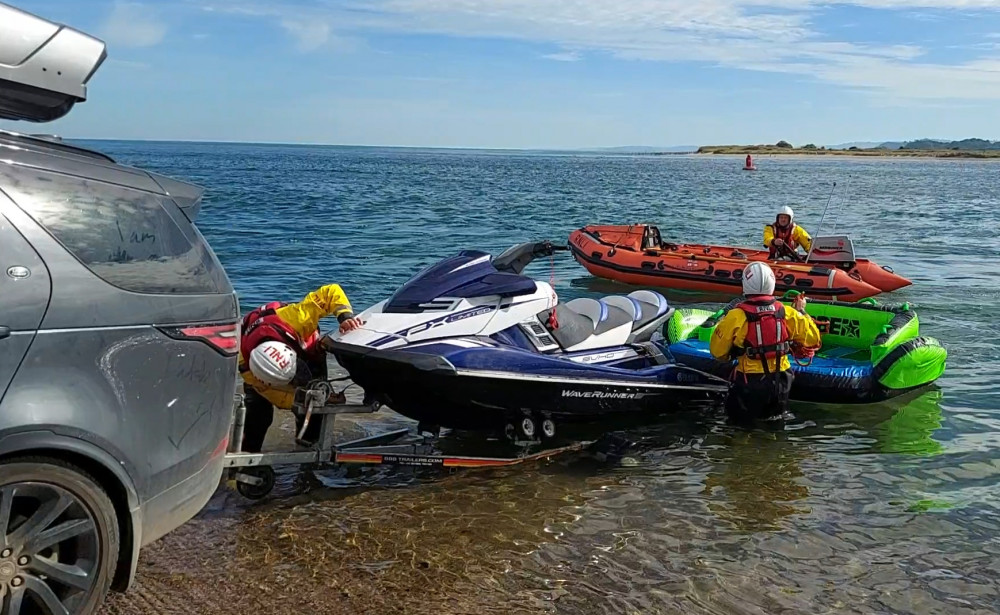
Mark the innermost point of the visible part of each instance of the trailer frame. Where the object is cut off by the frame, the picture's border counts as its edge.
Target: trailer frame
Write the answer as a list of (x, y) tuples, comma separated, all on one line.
[(254, 472)]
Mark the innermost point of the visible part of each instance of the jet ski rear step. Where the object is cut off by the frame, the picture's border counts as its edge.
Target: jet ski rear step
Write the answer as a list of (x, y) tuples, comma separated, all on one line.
[(254, 474)]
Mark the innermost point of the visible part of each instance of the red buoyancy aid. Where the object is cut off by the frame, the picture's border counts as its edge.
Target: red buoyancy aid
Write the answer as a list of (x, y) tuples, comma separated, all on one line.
[(263, 324), (785, 235), (767, 332)]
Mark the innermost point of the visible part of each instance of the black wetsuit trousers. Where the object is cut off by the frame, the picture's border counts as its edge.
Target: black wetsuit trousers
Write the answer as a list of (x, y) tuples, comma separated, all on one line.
[(759, 396)]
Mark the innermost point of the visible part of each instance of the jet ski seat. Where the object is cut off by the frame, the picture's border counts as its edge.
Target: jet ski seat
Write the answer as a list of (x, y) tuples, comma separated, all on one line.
[(648, 309), (593, 309), (589, 323), (628, 304), (573, 327), (612, 324)]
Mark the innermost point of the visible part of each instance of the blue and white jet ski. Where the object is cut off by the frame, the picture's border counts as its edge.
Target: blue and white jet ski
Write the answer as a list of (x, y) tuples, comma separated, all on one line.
[(471, 343)]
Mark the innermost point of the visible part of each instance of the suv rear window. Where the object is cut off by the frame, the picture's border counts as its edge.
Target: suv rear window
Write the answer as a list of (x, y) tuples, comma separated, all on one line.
[(136, 240)]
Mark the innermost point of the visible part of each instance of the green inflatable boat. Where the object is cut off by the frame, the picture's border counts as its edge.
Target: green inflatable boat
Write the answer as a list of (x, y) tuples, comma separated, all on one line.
[(870, 352)]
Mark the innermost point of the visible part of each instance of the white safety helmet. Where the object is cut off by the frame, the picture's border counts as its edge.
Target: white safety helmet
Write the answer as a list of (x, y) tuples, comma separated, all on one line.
[(787, 211), (758, 279), (273, 363)]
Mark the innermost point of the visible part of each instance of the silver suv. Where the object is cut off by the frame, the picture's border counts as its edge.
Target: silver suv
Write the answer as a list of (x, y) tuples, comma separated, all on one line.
[(118, 342)]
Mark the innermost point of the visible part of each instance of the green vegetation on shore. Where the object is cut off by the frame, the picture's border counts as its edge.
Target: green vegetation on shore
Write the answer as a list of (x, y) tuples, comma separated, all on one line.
[(924, 148)]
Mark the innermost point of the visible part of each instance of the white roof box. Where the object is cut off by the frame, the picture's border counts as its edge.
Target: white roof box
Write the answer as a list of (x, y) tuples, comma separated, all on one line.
[(44, 67)]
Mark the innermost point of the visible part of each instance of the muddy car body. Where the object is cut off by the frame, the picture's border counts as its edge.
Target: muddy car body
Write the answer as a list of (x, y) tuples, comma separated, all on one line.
[(118, 341)]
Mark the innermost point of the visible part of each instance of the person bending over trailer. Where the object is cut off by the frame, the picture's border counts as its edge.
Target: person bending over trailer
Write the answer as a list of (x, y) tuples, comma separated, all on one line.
[(760, 331), (783, 237), (279, 351)]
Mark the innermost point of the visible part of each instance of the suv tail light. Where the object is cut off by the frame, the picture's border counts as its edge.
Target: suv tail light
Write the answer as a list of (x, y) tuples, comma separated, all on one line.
[(223, 338)]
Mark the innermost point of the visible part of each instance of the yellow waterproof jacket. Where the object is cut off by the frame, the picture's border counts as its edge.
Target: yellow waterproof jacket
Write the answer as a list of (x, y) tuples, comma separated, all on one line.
[(799, 237), (731, 333), (303, 317)]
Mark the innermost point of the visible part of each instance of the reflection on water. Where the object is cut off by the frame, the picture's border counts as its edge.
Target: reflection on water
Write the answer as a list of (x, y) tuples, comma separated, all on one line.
[(757, 476), (759, 472), (904, 425)]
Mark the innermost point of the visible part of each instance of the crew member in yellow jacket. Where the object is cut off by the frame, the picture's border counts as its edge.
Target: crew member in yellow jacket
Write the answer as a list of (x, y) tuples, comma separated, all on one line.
[(783, 237), (761, 332), (279, 351)]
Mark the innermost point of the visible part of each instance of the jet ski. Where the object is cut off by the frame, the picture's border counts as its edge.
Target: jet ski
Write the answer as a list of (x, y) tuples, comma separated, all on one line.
[(470, 343)]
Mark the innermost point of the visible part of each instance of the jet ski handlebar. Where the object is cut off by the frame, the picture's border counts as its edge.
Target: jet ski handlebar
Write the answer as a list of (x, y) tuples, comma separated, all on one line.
[(547, 248), (517, 257)]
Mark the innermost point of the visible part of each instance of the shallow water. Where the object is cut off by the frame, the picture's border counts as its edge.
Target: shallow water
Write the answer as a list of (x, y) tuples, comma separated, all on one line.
[(887, 508)]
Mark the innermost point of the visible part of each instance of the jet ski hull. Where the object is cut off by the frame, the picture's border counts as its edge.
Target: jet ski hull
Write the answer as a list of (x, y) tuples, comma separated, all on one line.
[(484, 387)]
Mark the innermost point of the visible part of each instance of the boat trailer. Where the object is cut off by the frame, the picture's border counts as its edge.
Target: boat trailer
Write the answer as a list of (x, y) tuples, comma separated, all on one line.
[(254, 473)]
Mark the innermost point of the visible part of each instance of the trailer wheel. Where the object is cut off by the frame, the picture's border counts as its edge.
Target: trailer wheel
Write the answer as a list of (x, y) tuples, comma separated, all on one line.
[(253, 491), (548, 429), (527, 428)]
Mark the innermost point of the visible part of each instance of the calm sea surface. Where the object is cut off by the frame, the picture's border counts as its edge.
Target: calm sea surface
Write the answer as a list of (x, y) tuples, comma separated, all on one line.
[(886, 508)]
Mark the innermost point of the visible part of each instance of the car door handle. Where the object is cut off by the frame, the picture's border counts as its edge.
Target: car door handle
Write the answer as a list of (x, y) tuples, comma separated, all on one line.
[(4, 332)]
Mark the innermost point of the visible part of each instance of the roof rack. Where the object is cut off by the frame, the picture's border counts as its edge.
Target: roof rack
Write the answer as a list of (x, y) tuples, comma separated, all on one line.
[(49, 143), (44, 66)]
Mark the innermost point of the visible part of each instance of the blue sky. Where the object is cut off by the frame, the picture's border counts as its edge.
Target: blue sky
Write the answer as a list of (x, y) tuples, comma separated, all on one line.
[(537, 73)]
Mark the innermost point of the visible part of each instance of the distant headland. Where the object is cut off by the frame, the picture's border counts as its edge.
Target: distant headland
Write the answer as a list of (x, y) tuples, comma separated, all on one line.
[(921, 148)]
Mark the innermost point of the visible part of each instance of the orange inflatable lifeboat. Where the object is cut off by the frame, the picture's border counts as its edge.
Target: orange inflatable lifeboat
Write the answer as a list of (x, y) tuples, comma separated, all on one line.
[(635, 254)]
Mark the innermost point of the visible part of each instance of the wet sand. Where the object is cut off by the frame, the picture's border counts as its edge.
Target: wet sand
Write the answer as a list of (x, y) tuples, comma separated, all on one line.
[(385, 547), (267, 561), (371, 544)]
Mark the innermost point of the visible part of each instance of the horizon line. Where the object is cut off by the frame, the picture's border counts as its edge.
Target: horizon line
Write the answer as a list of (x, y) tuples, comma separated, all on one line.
[(501, 148), (326, 144), (593, 148)]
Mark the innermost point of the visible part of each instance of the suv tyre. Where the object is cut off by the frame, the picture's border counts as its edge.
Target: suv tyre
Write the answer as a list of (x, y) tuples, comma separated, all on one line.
[(59, 538)]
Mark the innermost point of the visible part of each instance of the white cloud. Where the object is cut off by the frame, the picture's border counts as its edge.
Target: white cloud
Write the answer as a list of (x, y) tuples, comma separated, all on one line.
[(563, 56), (977, 80), (784, 36), (913, 4), (309, 34), (133, 25), (761, 35), (311, 27)]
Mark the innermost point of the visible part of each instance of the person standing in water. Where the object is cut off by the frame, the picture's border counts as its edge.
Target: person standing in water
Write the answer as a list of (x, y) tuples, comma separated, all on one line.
[(749, 162), (760, 331)]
